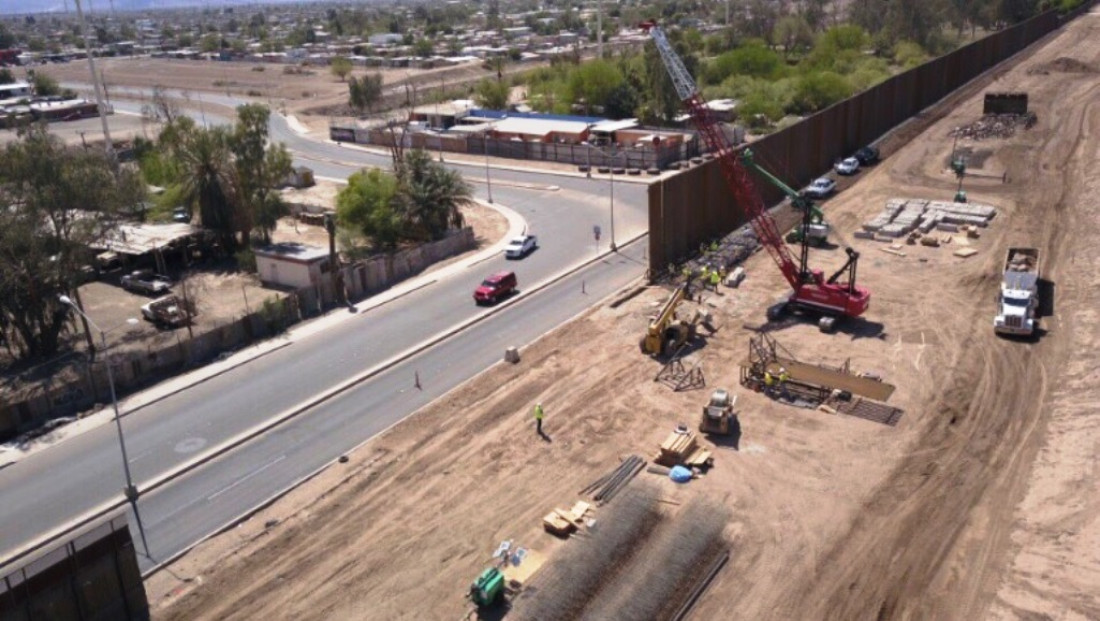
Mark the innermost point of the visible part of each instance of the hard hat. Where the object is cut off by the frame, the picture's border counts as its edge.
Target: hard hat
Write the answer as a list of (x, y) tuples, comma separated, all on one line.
[(782, 369)]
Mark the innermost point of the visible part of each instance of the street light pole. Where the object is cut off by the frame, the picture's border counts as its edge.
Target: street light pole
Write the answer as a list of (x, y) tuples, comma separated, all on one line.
[(130, 490), (488, 182), (95, 81), (612, 169)]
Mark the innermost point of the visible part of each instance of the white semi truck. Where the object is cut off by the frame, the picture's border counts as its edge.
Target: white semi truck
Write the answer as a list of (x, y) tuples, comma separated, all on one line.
[(1019, 298)]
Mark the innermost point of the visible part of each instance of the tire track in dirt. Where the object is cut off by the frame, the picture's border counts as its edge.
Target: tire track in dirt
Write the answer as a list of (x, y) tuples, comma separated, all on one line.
[(924, 526)]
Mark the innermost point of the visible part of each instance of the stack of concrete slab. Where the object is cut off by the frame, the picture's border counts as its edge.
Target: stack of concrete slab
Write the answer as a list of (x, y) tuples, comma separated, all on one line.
[(902, 216)]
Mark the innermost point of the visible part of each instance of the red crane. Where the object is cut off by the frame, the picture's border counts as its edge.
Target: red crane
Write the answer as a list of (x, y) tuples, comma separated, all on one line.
[(812, 291)]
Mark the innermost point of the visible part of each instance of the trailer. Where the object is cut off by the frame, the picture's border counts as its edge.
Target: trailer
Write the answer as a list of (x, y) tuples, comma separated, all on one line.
[(1018, 301)]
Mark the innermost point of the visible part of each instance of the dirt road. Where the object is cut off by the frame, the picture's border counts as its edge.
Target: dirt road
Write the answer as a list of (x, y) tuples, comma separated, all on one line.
[(981, 503)]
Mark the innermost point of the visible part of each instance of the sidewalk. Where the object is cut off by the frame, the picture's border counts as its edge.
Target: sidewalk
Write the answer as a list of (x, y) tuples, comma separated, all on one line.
[(10, 454)]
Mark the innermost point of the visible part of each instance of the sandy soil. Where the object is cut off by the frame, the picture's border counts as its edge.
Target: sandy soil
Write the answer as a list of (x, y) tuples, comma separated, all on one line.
[(981, 503), (316, 88)]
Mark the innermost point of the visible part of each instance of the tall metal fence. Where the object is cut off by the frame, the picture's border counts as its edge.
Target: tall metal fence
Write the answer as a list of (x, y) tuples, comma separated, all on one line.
[(91, 575), (693, 207)]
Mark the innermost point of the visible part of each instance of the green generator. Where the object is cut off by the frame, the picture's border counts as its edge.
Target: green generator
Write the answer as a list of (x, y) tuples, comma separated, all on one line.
[(488, 587)]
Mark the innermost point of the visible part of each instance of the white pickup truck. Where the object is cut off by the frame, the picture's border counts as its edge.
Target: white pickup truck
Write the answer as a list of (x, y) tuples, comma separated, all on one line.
[(1019, 298)]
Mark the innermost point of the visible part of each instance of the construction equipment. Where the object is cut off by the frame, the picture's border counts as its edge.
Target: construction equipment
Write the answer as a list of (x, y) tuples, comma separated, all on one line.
[(488, 588), (1019, 296), (813, 228), (718, 415), (667, 332), (812, 291)]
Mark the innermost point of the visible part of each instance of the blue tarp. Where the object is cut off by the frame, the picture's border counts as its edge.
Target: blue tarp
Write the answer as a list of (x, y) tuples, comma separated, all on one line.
[(679, 474)]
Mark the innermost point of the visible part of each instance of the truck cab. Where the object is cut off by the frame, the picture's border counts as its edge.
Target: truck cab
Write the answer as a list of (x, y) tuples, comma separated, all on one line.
[(1018, 301)]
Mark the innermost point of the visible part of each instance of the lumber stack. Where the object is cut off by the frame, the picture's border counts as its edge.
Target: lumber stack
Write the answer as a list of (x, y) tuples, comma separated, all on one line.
[(681, 448)]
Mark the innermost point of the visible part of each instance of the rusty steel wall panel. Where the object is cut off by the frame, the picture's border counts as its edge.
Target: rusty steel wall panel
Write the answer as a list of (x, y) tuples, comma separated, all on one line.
[(694, 206)]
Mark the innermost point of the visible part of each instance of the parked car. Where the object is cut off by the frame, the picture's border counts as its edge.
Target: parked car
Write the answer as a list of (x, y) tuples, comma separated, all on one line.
[(181, 214), (145, 281), (495, 288), (164, 312), (821, 187), (521, 246), (867, 155), (847, 166)]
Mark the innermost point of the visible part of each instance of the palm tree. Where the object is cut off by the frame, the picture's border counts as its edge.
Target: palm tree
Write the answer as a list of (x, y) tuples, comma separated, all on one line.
[(208, 180), (433, 196)]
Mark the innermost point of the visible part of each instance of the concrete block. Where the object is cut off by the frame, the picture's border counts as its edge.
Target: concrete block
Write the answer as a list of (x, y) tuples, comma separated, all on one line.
[(511, 355), (864, 235), (947, 226), (734, 278)]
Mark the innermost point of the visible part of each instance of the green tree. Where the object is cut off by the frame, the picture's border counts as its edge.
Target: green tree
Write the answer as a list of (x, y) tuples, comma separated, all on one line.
[(491, 94), (794, 34), (211, 42), (592, 83), (6, 76), (7, 39), (367, 206), (259, 168), (44, 85), (819, 90), (59, 200), (341, 67), (207, 178), (423, 48), (365, 92), (434, 196), (751, 59), (622, 102)]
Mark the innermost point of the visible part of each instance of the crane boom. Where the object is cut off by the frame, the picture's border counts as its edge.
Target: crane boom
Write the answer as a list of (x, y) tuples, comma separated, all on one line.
[(737, 178), (811, 291)]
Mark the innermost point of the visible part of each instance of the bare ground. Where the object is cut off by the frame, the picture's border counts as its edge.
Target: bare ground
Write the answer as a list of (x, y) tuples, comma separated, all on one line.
[(981, 503)]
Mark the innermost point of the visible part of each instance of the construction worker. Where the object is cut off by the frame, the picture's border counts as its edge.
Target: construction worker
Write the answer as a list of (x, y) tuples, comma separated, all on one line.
[(769, 383), (538, 418), (715, 278), (784, 377), (714, 246)]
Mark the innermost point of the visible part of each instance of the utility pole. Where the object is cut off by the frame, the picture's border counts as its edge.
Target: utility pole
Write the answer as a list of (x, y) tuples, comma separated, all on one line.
[(95, 82), (599, 29)]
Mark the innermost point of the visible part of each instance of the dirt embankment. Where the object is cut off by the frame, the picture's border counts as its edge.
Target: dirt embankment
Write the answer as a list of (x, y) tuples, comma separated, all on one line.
[(981, 502)]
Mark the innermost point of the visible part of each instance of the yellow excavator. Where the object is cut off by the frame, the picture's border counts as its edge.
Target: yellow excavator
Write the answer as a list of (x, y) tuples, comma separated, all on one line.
[(667, 332)]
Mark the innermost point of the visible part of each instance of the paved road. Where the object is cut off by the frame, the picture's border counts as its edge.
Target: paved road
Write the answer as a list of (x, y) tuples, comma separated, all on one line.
[(47, 489)]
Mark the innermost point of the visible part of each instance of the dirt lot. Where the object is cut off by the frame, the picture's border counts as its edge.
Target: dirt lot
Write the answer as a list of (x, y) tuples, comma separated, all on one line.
[(294, 93), (981, 503)]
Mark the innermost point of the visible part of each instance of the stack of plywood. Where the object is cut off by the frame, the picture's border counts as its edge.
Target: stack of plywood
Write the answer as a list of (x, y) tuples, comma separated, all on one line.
[(562, 523), (681, 449)]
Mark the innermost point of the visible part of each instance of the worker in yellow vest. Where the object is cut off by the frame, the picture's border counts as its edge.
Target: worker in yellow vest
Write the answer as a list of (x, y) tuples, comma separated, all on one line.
[(715, 278), (784, 377), (769, 383), (538, 418)]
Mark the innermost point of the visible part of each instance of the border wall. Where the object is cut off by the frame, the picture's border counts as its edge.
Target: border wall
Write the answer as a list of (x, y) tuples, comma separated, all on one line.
[(91, 575), (693, 207)]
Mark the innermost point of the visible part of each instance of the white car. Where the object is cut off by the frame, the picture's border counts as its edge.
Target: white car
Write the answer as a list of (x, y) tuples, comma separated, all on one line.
[(847, 166), (521, 246), (821, 188)]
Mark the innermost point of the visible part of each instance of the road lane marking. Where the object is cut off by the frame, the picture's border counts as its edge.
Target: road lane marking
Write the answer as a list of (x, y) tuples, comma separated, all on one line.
[(246, 477)]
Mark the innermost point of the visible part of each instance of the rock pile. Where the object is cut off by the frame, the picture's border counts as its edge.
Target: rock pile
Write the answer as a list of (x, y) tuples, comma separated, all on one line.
[(995, 126)]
